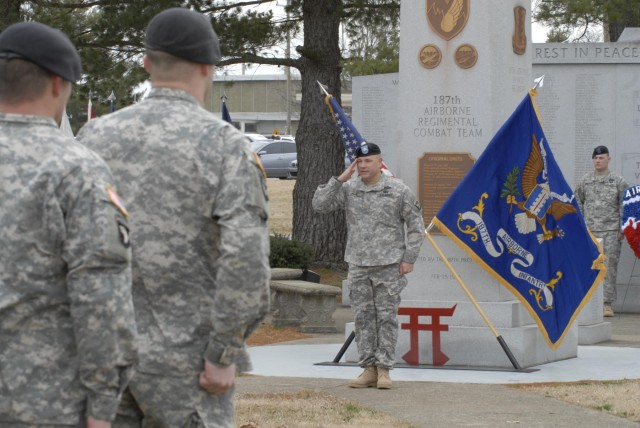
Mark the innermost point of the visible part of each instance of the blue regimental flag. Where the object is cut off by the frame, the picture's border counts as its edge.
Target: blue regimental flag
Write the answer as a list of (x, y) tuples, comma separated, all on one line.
[(515, 214), (225, 112)]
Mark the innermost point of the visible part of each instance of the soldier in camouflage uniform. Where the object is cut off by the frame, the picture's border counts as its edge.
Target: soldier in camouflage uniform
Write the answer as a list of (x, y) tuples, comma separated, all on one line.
[(198, 202), (379, 253), (599, 195), (67, 327)]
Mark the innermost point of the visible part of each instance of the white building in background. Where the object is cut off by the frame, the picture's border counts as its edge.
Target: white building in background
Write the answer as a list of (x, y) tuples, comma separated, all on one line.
[(258, 102)]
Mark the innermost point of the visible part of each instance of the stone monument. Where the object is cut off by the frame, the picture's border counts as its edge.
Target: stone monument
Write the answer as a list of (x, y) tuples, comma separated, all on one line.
[(464, 67)]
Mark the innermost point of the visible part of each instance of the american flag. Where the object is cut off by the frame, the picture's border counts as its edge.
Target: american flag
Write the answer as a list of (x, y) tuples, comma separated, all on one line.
[(226, 116), (351, 138)]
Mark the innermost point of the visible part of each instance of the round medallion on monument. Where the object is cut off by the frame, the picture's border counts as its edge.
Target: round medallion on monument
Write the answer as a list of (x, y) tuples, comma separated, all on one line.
[(466, 56), (430, 56)]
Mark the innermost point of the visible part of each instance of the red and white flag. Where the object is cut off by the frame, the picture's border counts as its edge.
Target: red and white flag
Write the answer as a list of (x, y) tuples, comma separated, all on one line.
[(631, 218)]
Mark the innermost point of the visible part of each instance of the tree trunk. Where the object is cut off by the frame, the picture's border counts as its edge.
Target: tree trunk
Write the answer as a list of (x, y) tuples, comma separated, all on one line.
[(627, 15), (320, 151), (616, 29)]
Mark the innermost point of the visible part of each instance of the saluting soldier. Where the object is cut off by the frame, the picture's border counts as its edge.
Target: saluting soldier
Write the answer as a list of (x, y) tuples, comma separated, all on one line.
[(197, 198), (599, 195), (67, 327), (379, 253)]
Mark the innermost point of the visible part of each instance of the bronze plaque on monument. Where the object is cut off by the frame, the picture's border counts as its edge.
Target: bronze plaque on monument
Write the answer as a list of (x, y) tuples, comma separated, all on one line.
[(438, 176)]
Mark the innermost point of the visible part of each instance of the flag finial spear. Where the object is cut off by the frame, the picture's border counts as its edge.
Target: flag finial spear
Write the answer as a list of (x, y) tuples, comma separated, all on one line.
[(323, 89), (538, 82)]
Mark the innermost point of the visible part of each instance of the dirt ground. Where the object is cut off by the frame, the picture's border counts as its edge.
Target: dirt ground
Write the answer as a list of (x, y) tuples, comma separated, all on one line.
[(309, 408), (280, 205)]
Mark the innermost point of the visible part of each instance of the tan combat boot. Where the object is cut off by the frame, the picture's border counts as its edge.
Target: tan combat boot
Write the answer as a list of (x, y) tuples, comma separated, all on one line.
[(608, 310), (369, 377), (384, 381)]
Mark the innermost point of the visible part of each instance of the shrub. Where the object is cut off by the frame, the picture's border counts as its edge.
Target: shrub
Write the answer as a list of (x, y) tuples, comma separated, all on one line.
[(287, 253)]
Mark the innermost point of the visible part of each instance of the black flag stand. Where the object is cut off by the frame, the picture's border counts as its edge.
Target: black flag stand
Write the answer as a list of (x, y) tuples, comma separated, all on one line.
[(345, 346)]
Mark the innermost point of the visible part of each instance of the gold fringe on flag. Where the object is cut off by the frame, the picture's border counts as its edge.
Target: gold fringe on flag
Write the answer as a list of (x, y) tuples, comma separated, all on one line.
[(599, 263)]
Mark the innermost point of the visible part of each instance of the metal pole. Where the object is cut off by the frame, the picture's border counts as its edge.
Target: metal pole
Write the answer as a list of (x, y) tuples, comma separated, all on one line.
[(344, 347), (288, 74)]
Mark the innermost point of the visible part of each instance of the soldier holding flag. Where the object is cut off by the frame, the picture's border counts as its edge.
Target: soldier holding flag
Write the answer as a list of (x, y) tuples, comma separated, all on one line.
[(379, 252)]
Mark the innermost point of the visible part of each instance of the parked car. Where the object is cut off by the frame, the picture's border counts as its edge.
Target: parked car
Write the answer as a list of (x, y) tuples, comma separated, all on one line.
[(279, 137), (293, 167), (287, 137), (276, 157), (253, 137)]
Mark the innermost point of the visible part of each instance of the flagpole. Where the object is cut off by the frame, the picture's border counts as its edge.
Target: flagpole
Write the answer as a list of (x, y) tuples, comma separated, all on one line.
[(323, 89), (506, 349)]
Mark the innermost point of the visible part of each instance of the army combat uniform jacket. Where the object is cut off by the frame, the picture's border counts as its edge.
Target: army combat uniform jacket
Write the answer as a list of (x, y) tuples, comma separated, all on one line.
[(376, 219), (200, 243), (600, 200), (67, 328)]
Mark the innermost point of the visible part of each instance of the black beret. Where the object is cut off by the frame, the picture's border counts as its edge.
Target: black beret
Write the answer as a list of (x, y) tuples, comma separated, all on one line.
[(600, 150), (40, 44), (367, 149), (185, 34)]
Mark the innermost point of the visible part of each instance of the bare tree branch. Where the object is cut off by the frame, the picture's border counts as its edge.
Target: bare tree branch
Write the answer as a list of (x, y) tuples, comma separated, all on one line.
[(226, 7), (257, 59), (83, 5)]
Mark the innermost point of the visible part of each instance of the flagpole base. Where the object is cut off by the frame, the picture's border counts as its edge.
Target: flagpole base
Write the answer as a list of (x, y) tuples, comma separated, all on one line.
[(509, 354)]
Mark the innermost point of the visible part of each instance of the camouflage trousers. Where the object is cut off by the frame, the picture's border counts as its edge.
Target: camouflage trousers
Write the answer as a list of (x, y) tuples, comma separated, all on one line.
[(79, 417), (375, 297), (155, 401), (611, 246), (81, 424)]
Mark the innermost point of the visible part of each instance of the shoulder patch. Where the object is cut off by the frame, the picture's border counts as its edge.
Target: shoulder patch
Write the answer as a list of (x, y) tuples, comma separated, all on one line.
[(115, 200), (123, 232)]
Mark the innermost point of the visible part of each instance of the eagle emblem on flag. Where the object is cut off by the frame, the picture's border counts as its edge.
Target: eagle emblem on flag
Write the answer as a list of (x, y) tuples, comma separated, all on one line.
[(540, 200)]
